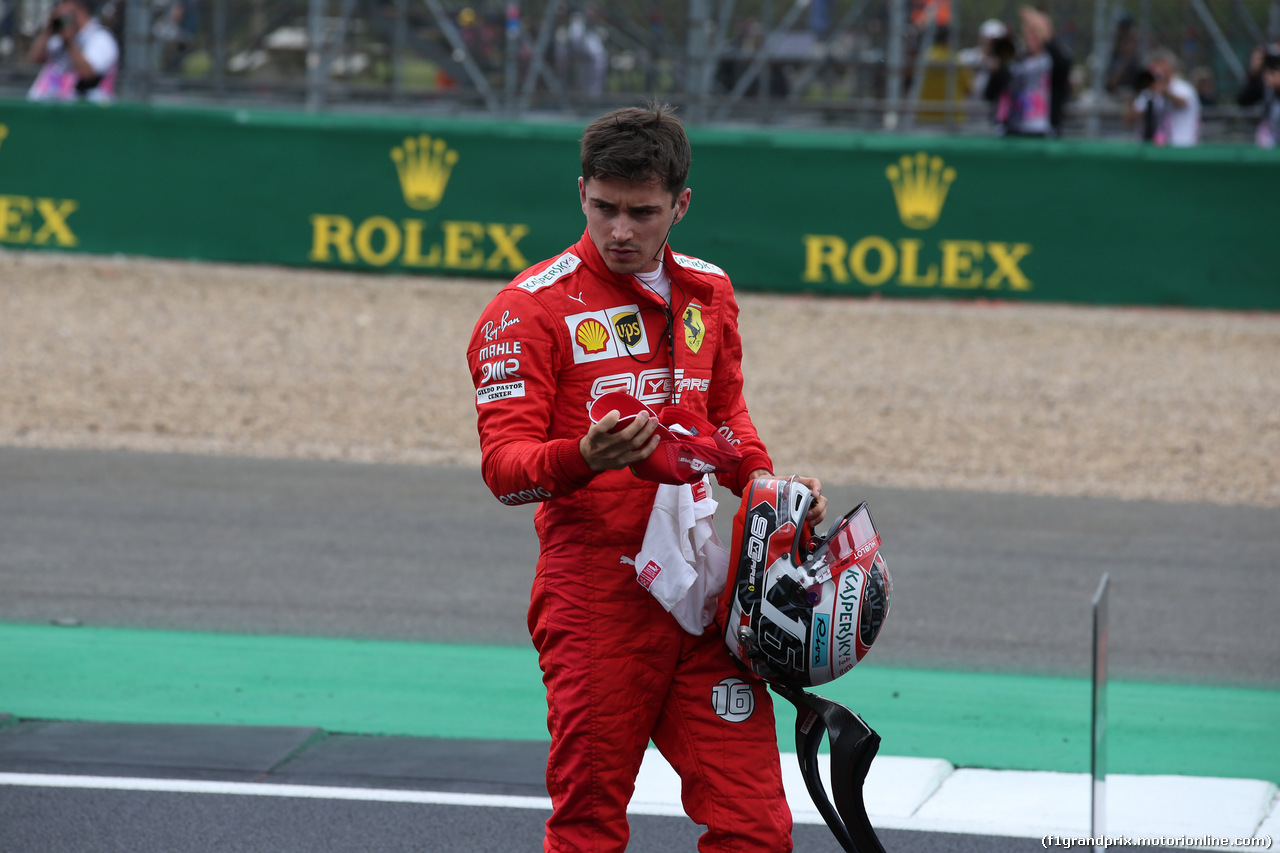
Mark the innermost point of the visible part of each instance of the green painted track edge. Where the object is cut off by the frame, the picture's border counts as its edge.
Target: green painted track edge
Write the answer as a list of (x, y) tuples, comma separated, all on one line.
[(379, 687)]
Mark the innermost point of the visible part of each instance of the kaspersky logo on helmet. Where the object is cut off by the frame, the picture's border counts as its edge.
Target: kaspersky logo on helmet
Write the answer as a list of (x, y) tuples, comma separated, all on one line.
[(848, 608), (919, 185)]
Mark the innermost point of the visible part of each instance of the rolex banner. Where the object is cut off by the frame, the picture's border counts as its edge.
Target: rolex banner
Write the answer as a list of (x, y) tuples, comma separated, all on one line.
[(284, 188), (822, 211)]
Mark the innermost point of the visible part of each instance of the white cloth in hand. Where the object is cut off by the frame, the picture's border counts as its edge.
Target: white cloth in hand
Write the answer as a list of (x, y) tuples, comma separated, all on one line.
[(682, 561)]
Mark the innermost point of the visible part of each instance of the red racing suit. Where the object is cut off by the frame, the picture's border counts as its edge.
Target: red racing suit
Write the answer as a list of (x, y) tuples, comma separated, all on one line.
[(618, 669)]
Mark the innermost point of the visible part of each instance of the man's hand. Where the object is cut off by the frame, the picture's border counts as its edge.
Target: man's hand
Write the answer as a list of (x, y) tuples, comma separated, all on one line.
[(605, 450), (817, 509), (39, 50)]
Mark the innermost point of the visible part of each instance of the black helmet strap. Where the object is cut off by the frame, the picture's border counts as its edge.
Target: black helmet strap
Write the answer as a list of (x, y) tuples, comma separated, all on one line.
[(853, 746)]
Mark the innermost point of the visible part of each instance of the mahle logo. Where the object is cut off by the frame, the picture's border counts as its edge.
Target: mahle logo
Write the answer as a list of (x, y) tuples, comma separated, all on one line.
[(920, 187), (920, 184), (424, 166)]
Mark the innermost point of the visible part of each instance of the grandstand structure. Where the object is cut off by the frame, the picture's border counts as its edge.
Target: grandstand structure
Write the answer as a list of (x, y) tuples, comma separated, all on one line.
[(905, 65)]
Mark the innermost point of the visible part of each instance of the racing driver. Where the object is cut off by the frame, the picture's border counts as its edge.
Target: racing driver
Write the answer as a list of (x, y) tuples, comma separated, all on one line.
[(620, 311)]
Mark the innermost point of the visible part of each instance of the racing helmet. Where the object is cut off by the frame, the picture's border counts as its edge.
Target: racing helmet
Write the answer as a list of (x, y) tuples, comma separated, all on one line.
[(802, 609)]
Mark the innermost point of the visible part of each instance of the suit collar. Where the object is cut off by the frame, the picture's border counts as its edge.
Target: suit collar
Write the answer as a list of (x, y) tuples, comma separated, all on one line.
[(682, 279)]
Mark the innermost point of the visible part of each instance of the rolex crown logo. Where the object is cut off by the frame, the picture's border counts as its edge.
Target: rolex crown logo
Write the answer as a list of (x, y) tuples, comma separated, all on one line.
[(424, 165), (920, 187)]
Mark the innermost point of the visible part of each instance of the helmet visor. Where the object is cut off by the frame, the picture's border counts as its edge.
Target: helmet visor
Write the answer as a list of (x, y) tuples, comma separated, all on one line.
[(854, 544), (852, 539)]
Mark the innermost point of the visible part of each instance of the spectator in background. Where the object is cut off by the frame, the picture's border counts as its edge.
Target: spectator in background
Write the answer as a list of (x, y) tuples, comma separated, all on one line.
[(8, 21), (175, 30), (1254, 90), (78, 53), (981, 60), (1030, 93), (1125, 66), (581, 50), (749, 40), (997, 90), (1167, 106), (938, 84), (1206, 87), (1268, 132), (925, 11)]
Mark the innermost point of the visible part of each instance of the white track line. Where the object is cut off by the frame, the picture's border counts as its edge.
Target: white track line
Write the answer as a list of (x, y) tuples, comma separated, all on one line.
[(267, 789), (902, 793)]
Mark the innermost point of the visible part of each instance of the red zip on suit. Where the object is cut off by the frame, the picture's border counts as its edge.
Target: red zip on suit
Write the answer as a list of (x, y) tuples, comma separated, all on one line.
[(618, 668)]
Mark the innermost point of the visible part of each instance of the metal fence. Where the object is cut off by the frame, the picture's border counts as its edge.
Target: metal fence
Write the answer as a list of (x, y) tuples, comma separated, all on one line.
[(868, 64)]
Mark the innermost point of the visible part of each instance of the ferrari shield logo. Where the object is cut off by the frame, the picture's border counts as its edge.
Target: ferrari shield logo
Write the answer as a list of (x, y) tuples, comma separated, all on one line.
[(694, 329)]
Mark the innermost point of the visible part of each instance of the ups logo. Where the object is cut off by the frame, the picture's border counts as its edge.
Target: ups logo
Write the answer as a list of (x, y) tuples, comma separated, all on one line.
[(627, 325)]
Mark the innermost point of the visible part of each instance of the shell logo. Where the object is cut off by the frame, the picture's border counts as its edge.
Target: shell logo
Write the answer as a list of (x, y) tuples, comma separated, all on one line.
[(592, 336)]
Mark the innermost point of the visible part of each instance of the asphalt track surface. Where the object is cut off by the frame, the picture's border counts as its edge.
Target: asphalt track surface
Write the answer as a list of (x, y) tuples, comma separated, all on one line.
[(193, 823), (1000, 583), (981, 581)]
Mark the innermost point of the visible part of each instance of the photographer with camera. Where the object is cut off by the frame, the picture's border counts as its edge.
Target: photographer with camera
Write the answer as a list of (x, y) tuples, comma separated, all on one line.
[(1167, 105), (1254, 89), (78, 53), (1028, 93)]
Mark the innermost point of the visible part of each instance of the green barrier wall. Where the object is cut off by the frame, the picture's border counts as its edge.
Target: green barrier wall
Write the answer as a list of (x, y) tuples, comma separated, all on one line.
[(781, 211)]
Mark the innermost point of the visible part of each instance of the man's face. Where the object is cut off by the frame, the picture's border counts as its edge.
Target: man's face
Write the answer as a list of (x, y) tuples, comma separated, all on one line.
[(68, 9), (629, 221), (1031, 39)]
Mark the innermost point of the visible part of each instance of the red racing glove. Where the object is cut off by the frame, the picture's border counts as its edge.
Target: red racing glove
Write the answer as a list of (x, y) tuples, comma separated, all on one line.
[(688, 445)]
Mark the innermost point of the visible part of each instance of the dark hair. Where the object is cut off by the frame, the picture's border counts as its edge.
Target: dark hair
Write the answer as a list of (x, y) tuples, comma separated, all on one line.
[(638, 144)]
